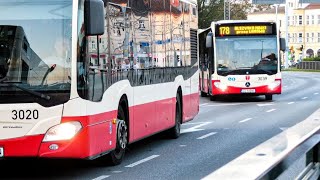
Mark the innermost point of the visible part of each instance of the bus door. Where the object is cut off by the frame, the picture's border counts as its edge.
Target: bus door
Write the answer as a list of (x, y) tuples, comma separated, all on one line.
[(204, 62), (210, 52)]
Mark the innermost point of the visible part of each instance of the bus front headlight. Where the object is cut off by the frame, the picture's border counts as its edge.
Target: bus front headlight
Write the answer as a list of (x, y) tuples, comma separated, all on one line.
[(221, 86), (274, 84), (64, 131)]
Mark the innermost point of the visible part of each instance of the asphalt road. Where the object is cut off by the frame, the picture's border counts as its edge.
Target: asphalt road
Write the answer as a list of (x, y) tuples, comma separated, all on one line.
[(222, 131)]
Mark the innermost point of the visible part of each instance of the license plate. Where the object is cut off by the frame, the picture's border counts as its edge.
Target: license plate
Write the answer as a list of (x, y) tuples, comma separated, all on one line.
[(1, 152), (248, 91)]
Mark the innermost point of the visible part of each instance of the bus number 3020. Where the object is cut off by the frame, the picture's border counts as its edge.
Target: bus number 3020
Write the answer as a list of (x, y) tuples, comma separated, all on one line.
[(25, 114)]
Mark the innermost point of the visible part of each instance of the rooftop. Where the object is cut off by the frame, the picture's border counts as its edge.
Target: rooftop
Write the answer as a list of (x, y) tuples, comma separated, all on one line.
[(313, 6)]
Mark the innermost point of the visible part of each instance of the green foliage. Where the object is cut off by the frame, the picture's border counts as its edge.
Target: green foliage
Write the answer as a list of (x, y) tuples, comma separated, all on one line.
[(312, 59), (214, 10), (209, 12), (239, 10)]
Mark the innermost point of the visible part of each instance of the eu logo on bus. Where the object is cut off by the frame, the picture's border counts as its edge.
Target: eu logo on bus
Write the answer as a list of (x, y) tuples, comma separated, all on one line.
[(231, 79)]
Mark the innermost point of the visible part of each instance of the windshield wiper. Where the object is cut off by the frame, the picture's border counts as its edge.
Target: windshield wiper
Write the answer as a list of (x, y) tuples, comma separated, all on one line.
[(265, 71), (13, 84), (236, 72)]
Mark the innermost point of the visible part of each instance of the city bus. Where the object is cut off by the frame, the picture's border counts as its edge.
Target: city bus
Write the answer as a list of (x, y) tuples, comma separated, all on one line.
[(240, 57), (82, 79)]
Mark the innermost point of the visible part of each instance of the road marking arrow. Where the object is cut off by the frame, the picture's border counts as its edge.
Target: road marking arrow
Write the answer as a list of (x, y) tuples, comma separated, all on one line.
[(194, 128)]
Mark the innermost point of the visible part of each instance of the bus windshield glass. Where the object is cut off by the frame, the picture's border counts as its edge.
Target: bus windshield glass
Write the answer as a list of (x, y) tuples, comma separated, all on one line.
[(246, 55), (35, 51)]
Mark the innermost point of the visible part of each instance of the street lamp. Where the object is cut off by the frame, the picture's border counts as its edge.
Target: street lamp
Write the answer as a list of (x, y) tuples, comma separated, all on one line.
[(226, 8), (287, 36), (276, 6), (286, 21)]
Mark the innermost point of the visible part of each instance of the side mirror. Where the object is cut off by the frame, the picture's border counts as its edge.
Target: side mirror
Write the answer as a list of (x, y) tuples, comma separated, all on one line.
[(209, 40), (282, 44), (94, 17)]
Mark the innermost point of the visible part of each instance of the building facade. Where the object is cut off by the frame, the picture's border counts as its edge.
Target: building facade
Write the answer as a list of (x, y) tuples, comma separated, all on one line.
[(303, 28)]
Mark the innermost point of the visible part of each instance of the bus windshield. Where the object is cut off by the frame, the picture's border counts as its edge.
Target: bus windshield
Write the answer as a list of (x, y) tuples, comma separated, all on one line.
[(246, 55), (35, 51)]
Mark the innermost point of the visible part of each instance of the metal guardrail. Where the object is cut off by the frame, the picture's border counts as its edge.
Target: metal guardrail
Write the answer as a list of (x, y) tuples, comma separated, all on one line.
[(309, 65), (272, 158)]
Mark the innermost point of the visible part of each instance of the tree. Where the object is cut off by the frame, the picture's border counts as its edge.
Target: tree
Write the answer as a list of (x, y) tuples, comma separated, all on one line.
[(209, 11), (239, 9), (213, 10)]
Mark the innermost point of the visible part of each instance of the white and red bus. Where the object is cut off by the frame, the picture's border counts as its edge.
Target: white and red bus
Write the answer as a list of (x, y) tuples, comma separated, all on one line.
[(84, 78), (240, 58)]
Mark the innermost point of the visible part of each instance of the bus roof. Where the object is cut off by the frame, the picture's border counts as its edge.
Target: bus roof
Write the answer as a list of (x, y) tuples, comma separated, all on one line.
[(190, 1), (239, 21), (202, 30)]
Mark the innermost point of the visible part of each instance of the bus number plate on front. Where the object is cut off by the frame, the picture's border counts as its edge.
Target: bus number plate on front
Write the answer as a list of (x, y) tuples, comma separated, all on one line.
[(1, 152), (248, 91)]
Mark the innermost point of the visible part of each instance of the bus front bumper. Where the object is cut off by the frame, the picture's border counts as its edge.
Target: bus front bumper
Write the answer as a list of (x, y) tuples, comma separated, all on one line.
[(75, 148), (260, 90)]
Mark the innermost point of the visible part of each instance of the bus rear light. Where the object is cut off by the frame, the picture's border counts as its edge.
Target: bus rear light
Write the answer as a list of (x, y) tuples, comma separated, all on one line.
[(221, 86), (64, 131), (274, 84)]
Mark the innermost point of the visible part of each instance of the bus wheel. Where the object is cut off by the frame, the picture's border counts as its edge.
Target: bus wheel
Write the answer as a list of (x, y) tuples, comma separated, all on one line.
[(117, 155), (203, 94), (268, 97), (213, 98), (174, 132)]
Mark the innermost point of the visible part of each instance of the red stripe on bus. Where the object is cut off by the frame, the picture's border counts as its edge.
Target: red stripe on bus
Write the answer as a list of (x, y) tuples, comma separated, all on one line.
[(98, 134)]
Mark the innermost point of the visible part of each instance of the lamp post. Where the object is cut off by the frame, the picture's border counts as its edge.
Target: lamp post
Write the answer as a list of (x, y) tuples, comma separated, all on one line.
[(226, 9), (287, 36)]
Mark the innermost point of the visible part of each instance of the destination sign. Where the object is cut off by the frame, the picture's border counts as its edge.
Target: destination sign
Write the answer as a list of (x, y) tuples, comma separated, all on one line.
[(244, 29)]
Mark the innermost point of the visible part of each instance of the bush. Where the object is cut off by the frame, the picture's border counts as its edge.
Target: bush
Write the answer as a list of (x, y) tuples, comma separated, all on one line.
[(312, 59)]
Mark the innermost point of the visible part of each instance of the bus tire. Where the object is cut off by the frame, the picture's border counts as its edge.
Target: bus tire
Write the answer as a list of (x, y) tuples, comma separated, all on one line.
[(213, 98), (174, 132), (268, 97), (116, 156), (203, 94)]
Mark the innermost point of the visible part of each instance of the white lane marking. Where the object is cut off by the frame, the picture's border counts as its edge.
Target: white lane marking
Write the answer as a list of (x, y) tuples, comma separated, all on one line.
[(207, 135), (248, 119), (266, 104), (101, 177), (194, 128), (271, 110), (191, 123), (217, 105), (291, 103), (226, 128), (116, 172), (285, 86), (304, 98), (182, 145), (316, 93), (203, 104), (142, 161)]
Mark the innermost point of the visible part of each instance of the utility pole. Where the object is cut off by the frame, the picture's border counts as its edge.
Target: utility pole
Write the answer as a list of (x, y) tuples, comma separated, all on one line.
[(287, 36), (227, 9)]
